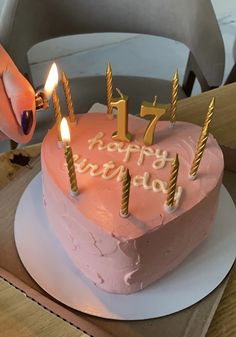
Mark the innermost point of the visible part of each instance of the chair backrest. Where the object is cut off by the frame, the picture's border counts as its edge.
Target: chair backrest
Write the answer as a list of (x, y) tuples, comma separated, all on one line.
[(232, 74), (234, 50), (191, 22)]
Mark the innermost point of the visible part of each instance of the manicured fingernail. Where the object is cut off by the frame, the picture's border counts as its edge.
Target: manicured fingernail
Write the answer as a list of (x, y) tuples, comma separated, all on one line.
[(27, 121)]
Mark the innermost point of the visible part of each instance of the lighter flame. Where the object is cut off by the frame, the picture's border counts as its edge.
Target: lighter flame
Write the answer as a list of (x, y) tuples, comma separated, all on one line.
[(52, 80), (65, 132)]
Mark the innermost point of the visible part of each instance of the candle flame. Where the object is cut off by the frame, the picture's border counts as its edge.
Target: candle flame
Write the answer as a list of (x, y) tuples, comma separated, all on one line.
[(52, 80), (65, 132)]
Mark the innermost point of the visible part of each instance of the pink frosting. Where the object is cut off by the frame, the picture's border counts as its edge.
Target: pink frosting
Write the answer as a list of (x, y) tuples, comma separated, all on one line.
[(124, 255)]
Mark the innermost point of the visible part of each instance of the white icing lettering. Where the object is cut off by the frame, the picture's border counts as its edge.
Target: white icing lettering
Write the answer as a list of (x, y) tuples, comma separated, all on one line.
[(129, 149), (159, 186), (161, 160), (144, 151), (97, 140), (114, 146), (178, 194), (109, 170)]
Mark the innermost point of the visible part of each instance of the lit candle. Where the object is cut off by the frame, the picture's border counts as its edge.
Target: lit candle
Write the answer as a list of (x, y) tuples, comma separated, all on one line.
[(148, 108), (109, 89), (120, 104), (202, 141), (66, 88), (57, 112), (41, 97), (169, 204), (50, 88), (52, 80), (174, 97), (65, 135), (124, 211)]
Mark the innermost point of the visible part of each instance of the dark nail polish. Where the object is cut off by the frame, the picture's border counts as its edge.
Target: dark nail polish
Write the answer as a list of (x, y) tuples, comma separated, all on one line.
[(27, 121)]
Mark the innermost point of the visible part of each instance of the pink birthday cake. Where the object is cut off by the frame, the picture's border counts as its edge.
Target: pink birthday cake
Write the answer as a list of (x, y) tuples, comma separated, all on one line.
[(125, 255)]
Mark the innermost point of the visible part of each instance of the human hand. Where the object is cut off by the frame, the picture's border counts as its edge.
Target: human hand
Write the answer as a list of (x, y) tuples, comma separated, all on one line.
[(17, 102)]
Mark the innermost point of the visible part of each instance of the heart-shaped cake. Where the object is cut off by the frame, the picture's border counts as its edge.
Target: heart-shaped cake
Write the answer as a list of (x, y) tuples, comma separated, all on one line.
[(125, 255)]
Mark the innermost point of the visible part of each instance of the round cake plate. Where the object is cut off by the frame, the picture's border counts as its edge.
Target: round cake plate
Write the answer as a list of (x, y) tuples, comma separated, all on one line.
[(48, 264)]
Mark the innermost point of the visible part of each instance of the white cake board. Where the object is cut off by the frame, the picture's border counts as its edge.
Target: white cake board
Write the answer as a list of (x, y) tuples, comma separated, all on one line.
[(48, 264)]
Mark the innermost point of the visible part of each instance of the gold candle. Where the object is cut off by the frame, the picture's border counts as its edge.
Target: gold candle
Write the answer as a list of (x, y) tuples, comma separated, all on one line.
[(199, 152), (66, 88), (172, 184), (109, 89), (202, 141), (174, 97), (121, 104), (209, 113), (52, 80), (151, 109), (65, 135), (49, 88), (57, 111), (124, 211)]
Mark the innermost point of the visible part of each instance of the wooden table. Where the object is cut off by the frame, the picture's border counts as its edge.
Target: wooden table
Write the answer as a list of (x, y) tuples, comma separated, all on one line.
[(19, 316)]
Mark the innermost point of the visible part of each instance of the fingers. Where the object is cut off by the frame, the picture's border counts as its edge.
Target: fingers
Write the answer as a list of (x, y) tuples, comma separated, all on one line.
[(20, 93), (2, 136), (6, 61), (17, 101), (8, 123)]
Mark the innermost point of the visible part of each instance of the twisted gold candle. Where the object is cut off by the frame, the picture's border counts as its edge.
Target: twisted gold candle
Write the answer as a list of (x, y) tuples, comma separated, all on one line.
[(109, 89), (172, 184), (71, 170), (202, 141), (65, 135), (69, 102), (57, 111), (124, 211), (174, 97), (199, 151), (209, 113)]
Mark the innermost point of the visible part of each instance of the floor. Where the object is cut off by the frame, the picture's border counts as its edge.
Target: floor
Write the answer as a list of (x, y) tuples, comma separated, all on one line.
[(127, 53)]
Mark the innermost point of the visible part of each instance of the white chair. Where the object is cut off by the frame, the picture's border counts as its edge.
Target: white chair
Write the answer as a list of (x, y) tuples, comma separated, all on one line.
[(192, 22), (232, 75)]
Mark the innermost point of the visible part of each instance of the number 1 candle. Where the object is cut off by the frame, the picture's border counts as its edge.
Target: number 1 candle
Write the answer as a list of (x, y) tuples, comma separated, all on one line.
[(121, 104)]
